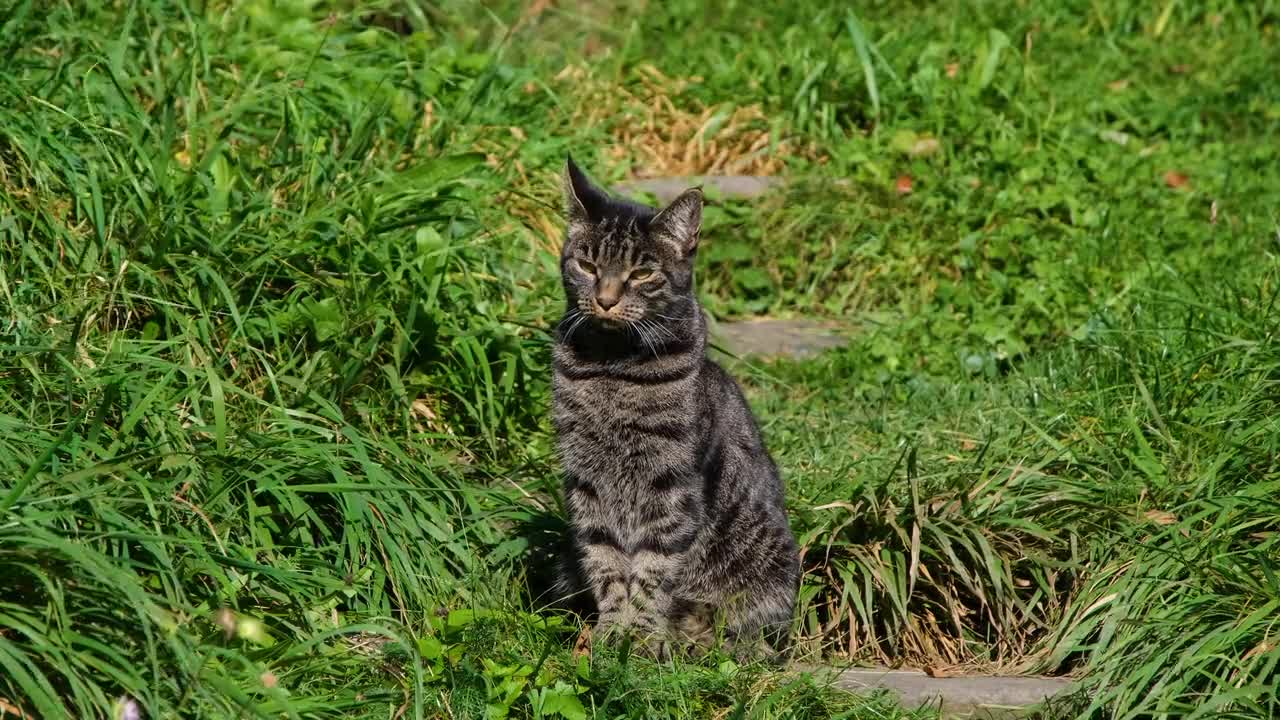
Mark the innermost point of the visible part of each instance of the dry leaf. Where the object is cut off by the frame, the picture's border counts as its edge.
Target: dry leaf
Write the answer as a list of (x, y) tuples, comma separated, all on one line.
[(1180, 69), (7, 708), (421, 408), (941, 507), (903, 184), (1160, 517), (837, 504), (582, 646), (537, 7), (924, 146), (531, 13), (1261, 648), (1176, 180), (1118, 85)]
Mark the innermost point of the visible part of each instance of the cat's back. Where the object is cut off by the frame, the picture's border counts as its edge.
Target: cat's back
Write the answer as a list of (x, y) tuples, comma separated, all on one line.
[(735, 434)]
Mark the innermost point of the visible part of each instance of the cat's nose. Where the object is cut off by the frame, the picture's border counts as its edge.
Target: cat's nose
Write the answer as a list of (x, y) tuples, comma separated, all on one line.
[(608, 292)]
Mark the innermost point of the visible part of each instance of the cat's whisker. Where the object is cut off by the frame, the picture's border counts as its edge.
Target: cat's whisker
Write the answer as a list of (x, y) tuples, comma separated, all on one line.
[(643, 336), (657, 331), (582, 320), (568, 335), (663, 329), (666, 332), (650, 327), (575, 318), (569, 316)]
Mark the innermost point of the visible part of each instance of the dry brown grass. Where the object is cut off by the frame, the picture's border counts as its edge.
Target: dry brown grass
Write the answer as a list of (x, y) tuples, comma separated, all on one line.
[(657, 130)]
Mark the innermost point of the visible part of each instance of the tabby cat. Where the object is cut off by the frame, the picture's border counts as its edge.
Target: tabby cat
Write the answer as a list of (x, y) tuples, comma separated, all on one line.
[(676, 508)]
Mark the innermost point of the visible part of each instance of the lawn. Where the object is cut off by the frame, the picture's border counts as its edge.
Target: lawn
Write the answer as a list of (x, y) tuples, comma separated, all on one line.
[(277, 281)]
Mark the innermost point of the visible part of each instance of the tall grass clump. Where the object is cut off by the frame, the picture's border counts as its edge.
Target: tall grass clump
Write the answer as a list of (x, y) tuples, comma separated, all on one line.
[(254, 355), (1108, 508), (1183, 620)]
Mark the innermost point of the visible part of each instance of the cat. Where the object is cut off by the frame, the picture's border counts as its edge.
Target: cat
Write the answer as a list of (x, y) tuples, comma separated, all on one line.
[(676, 509)]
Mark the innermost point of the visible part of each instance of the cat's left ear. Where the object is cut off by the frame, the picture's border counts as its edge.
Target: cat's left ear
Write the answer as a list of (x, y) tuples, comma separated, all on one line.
[(584, 202), (680, 223)]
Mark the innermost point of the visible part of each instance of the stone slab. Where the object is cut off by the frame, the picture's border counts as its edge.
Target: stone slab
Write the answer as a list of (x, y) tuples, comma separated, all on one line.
[(988, 696), (736, 187), (797, 338)]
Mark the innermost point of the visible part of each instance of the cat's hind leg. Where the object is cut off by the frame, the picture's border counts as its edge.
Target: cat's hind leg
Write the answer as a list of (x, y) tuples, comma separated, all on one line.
[(758, 625)]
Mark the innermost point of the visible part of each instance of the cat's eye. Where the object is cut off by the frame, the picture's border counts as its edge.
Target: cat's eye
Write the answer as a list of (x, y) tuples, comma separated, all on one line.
[(641, 274), (587, 267)]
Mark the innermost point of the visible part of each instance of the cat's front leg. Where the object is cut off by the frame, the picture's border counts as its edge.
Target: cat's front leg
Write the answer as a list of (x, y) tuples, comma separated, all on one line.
[(650, 598), (607, 569), (632, 593), (668, 524), (649, 587)]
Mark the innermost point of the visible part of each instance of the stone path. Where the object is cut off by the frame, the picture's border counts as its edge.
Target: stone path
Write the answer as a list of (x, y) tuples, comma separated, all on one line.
[(729, 186), (978, 696), (797, 338)]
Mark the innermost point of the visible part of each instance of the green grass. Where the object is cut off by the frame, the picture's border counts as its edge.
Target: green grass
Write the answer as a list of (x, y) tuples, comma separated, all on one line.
[(275, 290)]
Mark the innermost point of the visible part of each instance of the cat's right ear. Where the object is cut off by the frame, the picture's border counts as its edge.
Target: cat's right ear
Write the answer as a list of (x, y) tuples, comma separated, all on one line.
[(584, 202)]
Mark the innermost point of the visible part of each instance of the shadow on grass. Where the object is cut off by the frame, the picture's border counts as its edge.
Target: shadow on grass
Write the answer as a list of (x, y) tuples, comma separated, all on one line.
[(552, 578)]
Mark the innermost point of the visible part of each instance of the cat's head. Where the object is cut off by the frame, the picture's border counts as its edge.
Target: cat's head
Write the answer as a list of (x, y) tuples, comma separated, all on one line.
[(625, 263)]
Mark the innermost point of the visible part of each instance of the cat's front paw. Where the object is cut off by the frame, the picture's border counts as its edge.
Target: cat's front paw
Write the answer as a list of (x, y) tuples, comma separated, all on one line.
[(637, 636), (652, 638), (654, 646), (611, 627)]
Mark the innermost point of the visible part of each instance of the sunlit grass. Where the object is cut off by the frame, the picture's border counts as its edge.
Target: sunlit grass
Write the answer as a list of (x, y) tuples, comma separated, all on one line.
[(275, 288)]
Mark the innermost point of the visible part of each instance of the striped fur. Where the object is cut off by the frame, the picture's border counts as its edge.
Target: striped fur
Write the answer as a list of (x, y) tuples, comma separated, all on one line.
[(676, 507)]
